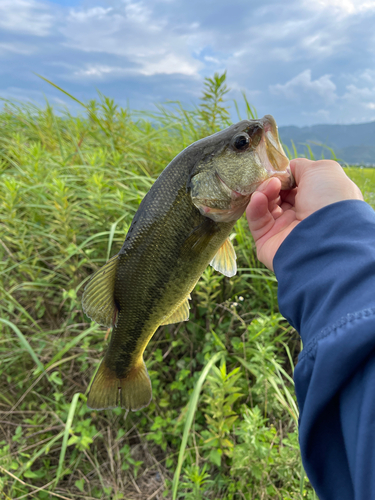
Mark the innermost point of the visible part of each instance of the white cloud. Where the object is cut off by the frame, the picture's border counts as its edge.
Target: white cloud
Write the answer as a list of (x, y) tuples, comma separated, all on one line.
[(321, 44), (359, 98), (167, 65), (135, 34), (322, 115), (213, 60), (86, 15), (25, 16), (137, 12), (17, 48), (170, 64), (360, 93), (99, 70), (18, 94), (302, 87), (347, 7), (367, 77)]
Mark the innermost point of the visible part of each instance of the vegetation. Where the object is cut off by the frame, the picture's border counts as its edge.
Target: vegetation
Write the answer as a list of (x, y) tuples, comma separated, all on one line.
[(223, 419)]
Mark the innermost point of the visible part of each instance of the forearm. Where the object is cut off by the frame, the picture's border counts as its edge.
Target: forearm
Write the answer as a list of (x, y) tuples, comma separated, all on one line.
[(326, 274)]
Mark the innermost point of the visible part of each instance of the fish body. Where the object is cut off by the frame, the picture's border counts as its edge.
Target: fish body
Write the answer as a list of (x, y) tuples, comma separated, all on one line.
[(181, 226)]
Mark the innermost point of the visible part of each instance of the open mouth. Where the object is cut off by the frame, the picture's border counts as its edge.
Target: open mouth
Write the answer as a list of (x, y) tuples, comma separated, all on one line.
[(272, 156), (270, 150)]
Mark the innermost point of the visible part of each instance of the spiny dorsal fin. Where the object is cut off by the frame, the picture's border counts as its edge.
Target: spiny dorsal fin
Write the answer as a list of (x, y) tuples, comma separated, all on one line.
[(180, 314), (225, 259), (98, 298)]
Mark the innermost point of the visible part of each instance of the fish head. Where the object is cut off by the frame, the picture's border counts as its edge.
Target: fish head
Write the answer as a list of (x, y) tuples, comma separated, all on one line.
[(234, 163)]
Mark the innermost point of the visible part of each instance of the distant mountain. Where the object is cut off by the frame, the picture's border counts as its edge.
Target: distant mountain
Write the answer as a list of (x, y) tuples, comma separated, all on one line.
[(353, 144)]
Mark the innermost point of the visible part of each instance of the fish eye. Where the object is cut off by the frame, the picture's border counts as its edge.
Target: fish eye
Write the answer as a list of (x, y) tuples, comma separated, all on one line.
[(241, 141)]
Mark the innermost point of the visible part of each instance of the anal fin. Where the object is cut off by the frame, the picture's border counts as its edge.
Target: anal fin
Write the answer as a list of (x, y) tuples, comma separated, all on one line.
[(132, 392), (98, 298), (225, 259), (180, 314)]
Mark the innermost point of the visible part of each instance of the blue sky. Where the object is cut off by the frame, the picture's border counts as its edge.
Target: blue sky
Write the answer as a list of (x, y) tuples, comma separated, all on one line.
[(304, 62)]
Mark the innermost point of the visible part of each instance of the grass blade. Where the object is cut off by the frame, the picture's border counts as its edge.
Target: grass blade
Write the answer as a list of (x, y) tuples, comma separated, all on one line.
[(45, 449), (189, 419), (111, 235), (71, 344), (92, 116), (68, 426), (24, 343)]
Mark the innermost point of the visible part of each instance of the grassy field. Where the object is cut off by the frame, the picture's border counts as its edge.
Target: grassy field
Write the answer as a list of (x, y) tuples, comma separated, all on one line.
[(69, 189)]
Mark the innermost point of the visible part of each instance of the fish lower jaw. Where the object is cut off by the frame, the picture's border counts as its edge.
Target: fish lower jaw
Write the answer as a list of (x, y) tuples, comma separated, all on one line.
[(241, 195), (230, 214), (234, 194)]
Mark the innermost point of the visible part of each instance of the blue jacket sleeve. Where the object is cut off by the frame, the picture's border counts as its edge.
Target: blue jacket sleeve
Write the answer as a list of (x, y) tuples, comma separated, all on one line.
[(326, 274)]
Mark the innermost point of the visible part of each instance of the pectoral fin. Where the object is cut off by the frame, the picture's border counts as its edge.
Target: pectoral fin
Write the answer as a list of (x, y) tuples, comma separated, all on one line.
[(98, 298), (181, 314), (225, 259), (201, 236)]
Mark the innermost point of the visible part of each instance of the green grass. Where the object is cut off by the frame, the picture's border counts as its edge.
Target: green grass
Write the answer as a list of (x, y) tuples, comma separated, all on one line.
[(222, 423)]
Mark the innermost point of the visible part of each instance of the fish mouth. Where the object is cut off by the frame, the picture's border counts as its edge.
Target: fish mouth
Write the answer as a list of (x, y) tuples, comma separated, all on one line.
[(272, 155)]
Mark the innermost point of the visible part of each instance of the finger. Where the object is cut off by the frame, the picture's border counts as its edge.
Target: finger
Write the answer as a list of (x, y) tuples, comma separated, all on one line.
[(277, 211), (271, 188), (274, 204), (258, 216), (286, 206)]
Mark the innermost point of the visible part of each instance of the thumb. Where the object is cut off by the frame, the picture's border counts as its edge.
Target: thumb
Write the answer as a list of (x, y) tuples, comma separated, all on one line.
[(298, 166)]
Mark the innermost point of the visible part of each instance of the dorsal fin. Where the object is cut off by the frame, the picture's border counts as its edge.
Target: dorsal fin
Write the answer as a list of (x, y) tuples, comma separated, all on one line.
[(98, 298), (180, 314), (225, 259)]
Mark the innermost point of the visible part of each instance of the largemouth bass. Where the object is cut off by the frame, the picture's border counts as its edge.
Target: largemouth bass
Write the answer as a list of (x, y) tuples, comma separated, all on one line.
[(181, 226)]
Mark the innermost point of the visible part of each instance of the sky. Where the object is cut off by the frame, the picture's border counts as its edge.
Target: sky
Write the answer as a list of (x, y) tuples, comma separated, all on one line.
[(305, 62)]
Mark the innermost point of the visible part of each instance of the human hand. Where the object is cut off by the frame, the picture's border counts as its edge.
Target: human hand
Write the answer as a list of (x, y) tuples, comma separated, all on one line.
[(272, 214)]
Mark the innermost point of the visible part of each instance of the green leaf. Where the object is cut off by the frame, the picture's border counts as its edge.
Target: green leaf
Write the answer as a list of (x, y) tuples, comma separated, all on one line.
[(80, 484), (215, 456)]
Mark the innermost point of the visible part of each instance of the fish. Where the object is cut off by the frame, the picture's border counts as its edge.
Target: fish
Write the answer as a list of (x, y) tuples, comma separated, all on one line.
[(182, 225)]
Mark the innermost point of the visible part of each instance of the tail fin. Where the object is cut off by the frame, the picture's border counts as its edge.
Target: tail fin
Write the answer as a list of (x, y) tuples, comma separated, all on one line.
[(132, 392)]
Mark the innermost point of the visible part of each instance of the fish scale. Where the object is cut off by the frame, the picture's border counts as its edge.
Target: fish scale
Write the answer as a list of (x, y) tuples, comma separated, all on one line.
[(176, 232)]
